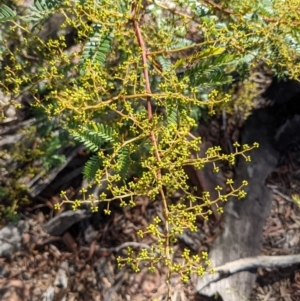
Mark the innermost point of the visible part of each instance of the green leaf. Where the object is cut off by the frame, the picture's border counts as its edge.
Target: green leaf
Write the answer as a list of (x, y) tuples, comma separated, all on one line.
[(6, 13), (211, 72), (124, 162), (94, 136), (172, 114), (201, 55), (165, 63), (97, 47), (91, 167), (41, 11), (43, 5)]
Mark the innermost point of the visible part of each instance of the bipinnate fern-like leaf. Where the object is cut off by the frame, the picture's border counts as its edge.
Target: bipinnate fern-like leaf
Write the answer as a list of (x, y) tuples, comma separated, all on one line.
[(165, 63), (42, 10), (97, 47), (6, 13), (199, 56), (211, 72), (172, 115), (91, 142), (123, 162), (43, 5), (94, 136), (91, 167), (106, 132)]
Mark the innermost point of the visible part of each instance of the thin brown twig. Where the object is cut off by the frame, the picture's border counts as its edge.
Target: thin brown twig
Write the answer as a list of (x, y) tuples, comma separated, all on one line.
[(231, 12), (219, 7), (152, 134)]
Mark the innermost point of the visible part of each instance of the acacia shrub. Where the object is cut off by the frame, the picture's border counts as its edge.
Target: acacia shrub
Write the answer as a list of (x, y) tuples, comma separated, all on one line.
[(130, 57)]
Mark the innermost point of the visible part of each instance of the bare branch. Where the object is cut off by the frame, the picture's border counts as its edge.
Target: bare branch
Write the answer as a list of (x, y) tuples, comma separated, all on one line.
[(247, 264)]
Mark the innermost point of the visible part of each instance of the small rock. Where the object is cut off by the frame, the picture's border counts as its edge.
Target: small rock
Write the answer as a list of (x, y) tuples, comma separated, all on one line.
[(61, 279), (3, 272), (10, 112), (49, 294), (26, 276), (11, 238), (89, 232), (41, 218), (37, 291), (72, 270), (80, 288)]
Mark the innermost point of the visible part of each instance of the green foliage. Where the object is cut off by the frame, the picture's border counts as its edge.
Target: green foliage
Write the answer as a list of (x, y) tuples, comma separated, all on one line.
[(42, 10), (94, 136), (97, 47), (91, 167), (211, 72), (172, 115), (51, 157), (6, 13), (132, 58), (10, 215), (124, 162)]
